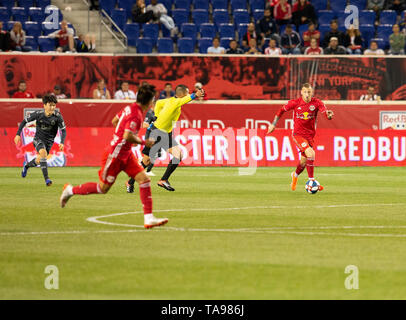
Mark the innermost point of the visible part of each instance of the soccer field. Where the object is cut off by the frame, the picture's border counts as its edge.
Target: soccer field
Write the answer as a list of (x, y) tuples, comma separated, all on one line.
[(228, 236)]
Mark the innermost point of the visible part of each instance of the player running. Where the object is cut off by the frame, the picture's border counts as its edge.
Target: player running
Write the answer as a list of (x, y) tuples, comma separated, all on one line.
[(167, 112), (119, 157), (47, 123), (305, 111)]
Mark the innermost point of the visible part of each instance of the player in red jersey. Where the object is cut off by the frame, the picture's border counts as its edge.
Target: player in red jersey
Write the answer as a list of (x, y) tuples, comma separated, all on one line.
[(305, 110), (119, 157)]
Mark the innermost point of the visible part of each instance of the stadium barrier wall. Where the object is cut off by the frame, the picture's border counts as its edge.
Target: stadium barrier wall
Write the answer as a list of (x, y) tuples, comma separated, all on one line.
[(224, 77), (220, 133)]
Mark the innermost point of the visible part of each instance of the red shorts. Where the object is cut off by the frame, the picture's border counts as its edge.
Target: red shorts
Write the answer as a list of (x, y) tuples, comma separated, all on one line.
[(302, 143), (111, 167)]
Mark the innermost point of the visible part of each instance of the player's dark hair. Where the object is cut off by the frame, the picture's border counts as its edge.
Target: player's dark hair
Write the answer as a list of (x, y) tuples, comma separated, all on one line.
[(21, 81), (181, 89), (307, 85), (49, 98), (168, 84), (145, 94)]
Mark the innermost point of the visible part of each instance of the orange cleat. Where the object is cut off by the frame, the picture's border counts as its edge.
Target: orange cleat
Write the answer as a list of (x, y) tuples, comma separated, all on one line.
[(294, 181), (321, 188), (155, 222)]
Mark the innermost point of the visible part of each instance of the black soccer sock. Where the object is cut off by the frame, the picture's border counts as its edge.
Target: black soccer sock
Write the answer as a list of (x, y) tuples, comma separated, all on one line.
[(131, 181), (143, 164), (149, 168), (31, 164), (173, 164), (44, 168)]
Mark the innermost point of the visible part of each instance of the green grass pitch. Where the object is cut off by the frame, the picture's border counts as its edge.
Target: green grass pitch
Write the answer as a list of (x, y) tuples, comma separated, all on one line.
[(229, 236)]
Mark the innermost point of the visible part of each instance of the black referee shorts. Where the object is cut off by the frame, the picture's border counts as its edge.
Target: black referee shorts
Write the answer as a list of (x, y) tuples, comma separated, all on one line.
[(163, 140), (40, 144)]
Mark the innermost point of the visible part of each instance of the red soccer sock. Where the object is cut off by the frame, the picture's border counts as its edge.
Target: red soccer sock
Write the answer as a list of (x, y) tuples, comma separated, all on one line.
[(300, 168), (310, 168), (87, 188), (145, 196)]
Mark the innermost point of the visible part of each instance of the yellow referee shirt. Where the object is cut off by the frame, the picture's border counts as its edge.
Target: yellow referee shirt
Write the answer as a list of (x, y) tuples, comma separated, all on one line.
[(168, 111)]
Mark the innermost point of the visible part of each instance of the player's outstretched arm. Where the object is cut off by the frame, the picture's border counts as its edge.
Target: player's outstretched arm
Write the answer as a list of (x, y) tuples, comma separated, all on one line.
[(17, 138), (132, 138)]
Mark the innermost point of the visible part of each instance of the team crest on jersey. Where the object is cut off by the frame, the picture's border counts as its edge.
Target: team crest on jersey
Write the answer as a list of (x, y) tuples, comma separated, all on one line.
[(52, 122), (110, 179), (133, 125), (312, 108), (304, 144)]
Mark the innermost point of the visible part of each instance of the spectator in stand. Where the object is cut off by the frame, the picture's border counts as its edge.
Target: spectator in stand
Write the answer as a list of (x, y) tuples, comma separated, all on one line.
[(65, 37), (266, 26), (124, 93), (167, 92), (198, 86), (251, 34), (17, 36), (234, 49), (22, 92), (314, 48), (161, 14), (376, 5), (370, 95), (290, 41), (311, 33), (353, 41), (140, 13), (403, 24), (216, 49), (4, 38), (334, 32), (282, 12), (93, 5), (86, 43), (273, 49), (397, 5), (303, 13), (374, 49), (334, 47), (58, 93), (101, 92), (396, 41), (253, 49)]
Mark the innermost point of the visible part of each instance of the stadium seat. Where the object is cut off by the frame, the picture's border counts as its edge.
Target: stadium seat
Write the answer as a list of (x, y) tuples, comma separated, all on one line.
[(107, 5), (46, 44), (151, 31), (168, 5), (282, 29), (127, 6), (302, 29), (200, 16), (323, 28), (36, 14), (360, 4), (381, 43), (19, 14), (220, 16), (186, 45), (4, 14), (403, 15), (257, 5), (119, 16), (32, 28), (258, 14), (337, 6), (144, 45), (132, 31), (204, 44), (383, 32), (25, 4), (367, 31), (201, 4), (388, 17), (165, 45), (48, 27), (219, 4), (182, 4), (9, 25), (325, 16), (367, 17), (43, 3), (241, 16), (242, 29), (8, 3), (225, 42), (207, 30), (189, 30), (180, 16), (238, 5), (319, 4), (227, 30), (31, 41)]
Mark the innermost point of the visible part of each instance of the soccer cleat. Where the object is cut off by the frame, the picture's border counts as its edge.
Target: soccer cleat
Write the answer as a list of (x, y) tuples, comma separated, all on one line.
[(294, 181), (24, 172), (166, 185), (130, 187), (321, 188), (150, 174), (48, 182), (155, 222), (66, 194)]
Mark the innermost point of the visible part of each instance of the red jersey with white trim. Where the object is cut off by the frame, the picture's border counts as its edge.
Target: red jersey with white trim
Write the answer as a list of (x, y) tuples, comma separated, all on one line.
[(304, 116), (129, 119)]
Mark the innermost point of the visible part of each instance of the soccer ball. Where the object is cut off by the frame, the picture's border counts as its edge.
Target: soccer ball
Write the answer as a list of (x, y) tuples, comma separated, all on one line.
[(312, 186)]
